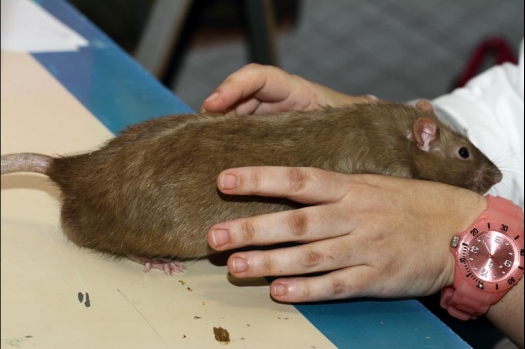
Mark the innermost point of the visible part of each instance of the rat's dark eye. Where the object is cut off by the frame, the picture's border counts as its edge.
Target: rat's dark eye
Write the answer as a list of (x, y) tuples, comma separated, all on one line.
[(464, 153)]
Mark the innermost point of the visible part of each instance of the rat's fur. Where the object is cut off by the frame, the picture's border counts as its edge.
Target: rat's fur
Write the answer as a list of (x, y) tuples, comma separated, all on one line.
[(151, 192)]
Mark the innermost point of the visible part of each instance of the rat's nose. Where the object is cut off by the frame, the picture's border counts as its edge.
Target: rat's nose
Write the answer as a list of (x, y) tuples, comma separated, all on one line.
[(497, 178)]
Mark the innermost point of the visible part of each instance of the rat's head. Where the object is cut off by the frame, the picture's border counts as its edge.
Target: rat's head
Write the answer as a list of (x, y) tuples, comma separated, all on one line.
[(444, 155)]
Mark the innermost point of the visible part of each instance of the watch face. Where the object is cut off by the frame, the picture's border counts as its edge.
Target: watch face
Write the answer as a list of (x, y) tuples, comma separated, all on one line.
[(492, 256), (489, 258)]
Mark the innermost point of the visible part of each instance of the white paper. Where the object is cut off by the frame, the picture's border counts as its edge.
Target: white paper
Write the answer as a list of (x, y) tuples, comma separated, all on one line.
[(27, 27)]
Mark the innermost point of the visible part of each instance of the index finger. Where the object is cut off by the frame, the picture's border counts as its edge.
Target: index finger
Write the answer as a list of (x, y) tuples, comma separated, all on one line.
[(301, 184)]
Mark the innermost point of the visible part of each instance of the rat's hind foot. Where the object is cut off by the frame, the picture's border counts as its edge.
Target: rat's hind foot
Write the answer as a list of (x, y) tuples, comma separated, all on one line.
[(168, 266)]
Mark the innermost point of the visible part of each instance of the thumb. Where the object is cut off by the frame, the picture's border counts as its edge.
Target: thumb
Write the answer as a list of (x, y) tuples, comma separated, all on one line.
[(211, 103)]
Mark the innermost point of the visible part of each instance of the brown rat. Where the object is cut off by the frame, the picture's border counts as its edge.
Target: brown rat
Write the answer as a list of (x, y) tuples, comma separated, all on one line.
[(150, 194)]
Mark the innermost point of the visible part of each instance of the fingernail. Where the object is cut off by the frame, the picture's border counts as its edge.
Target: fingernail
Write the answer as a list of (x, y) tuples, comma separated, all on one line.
[(239, 265), (212, 97), (220, 237), (373, 97), (229, 181), (279, 289)]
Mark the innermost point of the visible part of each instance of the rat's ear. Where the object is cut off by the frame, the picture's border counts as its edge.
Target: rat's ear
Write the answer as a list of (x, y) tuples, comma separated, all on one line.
[(425, 105), (425, 134)]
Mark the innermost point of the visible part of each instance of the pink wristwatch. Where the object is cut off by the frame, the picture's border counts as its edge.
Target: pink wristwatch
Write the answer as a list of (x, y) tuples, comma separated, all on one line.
[(489, 260)]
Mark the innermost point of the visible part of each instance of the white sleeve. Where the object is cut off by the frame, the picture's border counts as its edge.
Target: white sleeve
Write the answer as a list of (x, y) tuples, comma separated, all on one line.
[(489, 109)]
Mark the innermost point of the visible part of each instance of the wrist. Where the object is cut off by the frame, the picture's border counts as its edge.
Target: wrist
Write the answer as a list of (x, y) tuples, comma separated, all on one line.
[(507, 314), (488, 259), (340, 99), (323, 96), (469, 208)]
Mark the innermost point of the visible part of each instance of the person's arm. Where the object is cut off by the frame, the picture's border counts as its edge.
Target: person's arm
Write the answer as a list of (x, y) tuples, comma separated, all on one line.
[(368, 236), (507, 314), (258, 89)]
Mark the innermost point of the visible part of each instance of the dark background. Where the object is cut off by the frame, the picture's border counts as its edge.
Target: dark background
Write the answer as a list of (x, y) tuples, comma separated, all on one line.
[(397, 50)]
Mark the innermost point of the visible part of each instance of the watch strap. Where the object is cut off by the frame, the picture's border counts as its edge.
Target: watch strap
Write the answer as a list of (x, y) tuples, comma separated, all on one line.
[(464, 302), (505, 208)]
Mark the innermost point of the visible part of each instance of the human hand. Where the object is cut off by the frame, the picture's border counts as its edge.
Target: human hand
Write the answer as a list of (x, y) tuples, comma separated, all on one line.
[(258, 89), (370, 235)]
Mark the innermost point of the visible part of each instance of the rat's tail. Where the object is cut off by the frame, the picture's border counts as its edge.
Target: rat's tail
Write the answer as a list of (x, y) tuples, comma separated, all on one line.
[(26, 162)]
